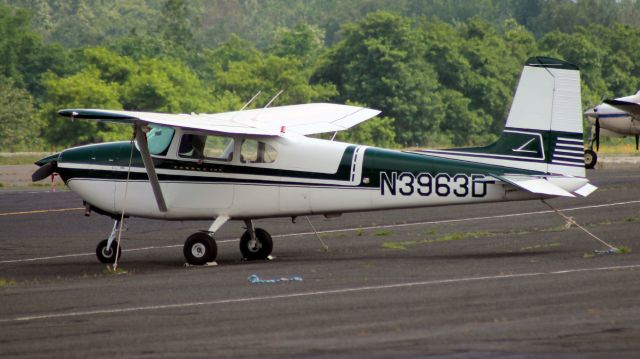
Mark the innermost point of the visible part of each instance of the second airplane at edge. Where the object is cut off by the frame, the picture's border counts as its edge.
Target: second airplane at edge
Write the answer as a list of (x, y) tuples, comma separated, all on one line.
[(618, 117)]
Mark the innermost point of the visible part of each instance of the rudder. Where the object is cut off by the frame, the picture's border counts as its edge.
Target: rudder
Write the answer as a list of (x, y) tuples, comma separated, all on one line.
[(548, 101)]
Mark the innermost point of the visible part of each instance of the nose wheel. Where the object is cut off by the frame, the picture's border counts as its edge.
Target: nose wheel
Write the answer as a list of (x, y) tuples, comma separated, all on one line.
[(106, 249), (107, 253), (200, 248)]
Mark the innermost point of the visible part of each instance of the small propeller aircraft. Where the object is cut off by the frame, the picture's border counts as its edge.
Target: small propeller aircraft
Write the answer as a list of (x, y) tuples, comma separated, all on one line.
[(259, 163), (613, 117)]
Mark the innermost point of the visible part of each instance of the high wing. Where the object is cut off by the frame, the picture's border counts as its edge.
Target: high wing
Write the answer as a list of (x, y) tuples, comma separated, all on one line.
[(303, 119), (630, 107)]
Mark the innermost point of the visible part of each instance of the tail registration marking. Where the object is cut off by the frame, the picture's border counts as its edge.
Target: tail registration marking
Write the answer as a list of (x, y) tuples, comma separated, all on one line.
[(426, 184)]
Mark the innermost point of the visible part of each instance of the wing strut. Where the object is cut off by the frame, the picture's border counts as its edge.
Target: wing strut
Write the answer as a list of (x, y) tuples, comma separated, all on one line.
[(141, 138)]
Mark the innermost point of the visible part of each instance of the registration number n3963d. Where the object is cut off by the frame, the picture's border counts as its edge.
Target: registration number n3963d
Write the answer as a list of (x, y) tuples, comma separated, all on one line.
[(426, 184)]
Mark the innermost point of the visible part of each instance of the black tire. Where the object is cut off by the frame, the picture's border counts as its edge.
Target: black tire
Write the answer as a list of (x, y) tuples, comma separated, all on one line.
[(590, 159), (200, 248), (258, 251), (107, 255)]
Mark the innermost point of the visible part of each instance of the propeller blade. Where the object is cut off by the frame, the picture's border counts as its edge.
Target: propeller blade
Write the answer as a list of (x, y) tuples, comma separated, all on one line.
[(597, 133), (43, 172), (637, 141)]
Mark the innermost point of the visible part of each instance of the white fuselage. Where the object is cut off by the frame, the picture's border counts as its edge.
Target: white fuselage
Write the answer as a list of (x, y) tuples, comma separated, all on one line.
[(309, 176)]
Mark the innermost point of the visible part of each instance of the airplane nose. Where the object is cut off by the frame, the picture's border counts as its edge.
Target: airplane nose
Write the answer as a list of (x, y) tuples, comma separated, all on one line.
[(48, 166), (592, 112)]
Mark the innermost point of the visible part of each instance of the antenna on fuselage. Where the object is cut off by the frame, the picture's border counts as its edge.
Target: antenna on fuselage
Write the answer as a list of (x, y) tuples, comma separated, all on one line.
[(258, 113), (250, 101), (274, 98)]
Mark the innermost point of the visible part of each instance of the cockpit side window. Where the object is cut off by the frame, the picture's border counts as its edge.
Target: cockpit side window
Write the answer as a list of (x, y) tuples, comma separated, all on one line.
[(158, 139), (204, 147), (253, 151)]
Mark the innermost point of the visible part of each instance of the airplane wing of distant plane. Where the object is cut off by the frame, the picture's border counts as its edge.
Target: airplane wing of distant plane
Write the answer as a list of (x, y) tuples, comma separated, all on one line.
[(301, 119), (630, 107)]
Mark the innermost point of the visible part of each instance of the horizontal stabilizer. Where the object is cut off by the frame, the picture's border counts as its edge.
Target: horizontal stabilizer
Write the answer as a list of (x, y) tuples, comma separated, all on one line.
[(585, 190), (535, 185), (629, 107)]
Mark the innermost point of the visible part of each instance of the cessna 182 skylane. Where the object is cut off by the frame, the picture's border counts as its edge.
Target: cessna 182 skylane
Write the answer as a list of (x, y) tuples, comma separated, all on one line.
[(253, 164), (618, 117)]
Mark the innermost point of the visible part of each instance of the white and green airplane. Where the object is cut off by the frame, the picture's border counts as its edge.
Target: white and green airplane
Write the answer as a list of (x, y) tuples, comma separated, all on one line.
[(253, 164)]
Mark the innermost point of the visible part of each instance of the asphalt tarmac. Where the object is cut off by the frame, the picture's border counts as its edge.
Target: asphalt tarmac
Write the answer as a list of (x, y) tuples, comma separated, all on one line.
[(505, 280)]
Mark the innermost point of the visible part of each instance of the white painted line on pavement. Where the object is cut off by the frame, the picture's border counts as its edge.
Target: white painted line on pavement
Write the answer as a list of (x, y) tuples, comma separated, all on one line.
[(306, 294)]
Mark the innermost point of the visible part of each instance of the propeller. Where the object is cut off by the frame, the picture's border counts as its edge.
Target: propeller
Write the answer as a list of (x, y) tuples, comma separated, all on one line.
[(43, 172)]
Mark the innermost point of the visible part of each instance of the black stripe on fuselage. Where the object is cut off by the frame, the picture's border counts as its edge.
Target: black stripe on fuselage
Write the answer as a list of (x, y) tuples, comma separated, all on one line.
[(237, 183)]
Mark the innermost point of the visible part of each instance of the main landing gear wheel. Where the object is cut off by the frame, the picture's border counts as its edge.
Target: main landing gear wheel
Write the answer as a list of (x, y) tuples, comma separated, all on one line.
[(200, 248), (108, 254), (590, 158), (257, 249)]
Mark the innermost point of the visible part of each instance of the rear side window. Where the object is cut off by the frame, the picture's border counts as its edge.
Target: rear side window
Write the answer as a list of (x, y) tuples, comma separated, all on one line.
[(206, 147), (253, 151)]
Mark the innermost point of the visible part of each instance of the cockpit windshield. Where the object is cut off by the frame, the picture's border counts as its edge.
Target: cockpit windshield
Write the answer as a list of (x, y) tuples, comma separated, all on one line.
[(159, 138)]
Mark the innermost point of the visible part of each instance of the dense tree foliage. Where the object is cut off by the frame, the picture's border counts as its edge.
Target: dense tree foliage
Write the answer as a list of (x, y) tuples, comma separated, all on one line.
[(18, 127), (442, 71)]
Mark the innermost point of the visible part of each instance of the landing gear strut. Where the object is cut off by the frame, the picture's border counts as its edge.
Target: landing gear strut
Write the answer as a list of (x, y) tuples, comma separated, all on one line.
[(590, 156), (255, 243)]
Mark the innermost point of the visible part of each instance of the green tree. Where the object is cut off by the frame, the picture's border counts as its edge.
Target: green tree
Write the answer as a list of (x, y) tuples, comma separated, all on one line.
[(272, 74), (165, 85), (174, 24), (24, 56), (380, 62), (478, 63), (112, 67), (463, 125), (85, 89), (303, 42), (378, 131), (213, 61), (19, 127)]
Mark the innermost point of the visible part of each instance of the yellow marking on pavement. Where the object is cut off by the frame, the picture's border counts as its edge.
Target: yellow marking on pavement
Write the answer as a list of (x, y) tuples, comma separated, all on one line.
[(41, 211)]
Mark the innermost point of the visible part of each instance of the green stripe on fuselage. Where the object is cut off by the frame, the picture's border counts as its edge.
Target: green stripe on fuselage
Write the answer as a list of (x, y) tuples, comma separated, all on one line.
[(378, 160), (523, 143)]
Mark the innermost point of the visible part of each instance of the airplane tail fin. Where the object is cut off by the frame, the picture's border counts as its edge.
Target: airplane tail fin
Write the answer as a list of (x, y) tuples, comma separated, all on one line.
[(544, 130), (547, 105), (541, 149)]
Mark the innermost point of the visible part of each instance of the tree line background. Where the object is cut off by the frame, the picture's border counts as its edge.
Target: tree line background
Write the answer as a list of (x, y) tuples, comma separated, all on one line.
[(442, 71)]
